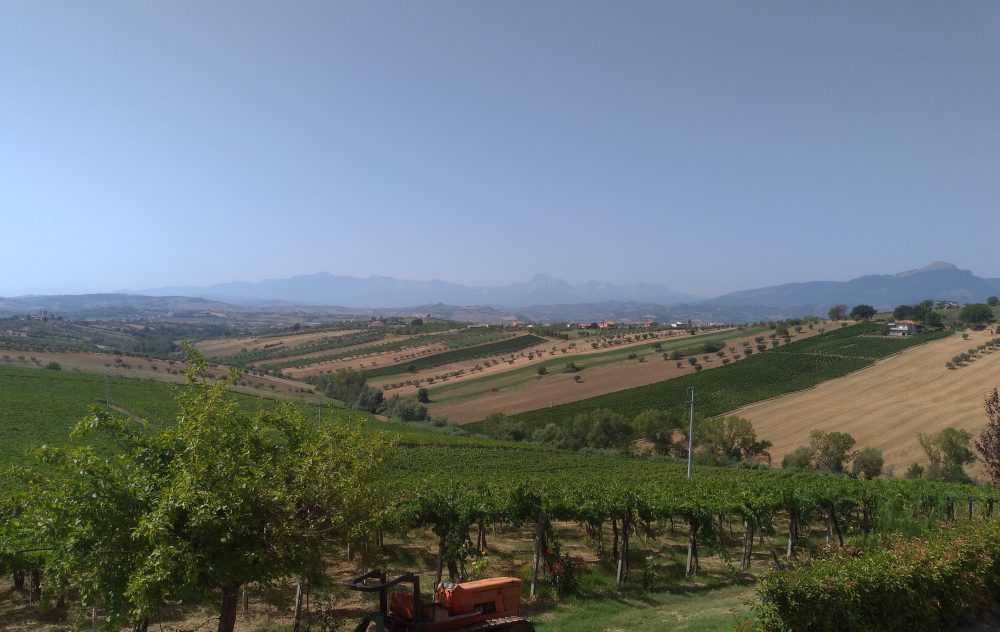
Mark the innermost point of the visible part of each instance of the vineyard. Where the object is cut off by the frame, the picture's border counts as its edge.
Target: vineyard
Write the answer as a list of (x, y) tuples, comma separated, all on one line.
[(39, 407), (785, 369), (598, 515)]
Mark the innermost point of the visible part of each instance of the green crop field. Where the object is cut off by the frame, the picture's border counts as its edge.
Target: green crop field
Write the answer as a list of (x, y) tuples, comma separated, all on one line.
[(789, 368)]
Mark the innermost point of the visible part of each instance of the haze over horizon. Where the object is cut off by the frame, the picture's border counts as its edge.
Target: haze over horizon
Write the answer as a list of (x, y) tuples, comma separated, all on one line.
[(708, 148)]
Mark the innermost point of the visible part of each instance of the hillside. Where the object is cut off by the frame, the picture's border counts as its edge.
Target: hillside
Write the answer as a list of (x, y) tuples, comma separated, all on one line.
[(886, 405), (791, 367)]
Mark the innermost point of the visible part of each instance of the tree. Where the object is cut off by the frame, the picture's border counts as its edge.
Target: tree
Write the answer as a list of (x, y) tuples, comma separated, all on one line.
[(661, 429), (862, 312), (732, 439), (221, 498), (351, 387), (608, 430), (541, 370), (831, 449), (423, 396), (902, 312), (993, 301), (867, 462), (947, 453), (404, 409), (988, 442), (976, 314), (838, 312), (800, 458), (551, 435)]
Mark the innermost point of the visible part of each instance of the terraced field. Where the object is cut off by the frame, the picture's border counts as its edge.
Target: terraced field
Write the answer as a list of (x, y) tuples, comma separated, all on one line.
[(796, 366), (521, 389)]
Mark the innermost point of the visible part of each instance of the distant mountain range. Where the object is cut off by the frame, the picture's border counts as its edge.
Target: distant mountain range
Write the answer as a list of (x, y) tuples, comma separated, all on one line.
[(543, 298), (379, 291), (938, 281)]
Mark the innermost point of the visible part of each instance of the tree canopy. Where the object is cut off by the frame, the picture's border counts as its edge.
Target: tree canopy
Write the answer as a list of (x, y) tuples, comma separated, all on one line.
[(863, 312), (947, 454), (988, 442), (831, 449), (976, 314), (220, 498)]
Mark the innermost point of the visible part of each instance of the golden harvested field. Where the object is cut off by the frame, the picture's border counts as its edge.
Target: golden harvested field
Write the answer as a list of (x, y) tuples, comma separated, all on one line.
[(164, 371), (560, 388), (886, 405)]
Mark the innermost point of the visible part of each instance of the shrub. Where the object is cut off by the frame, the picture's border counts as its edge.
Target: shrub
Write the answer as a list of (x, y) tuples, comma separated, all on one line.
[(53, 366), (930, 583)]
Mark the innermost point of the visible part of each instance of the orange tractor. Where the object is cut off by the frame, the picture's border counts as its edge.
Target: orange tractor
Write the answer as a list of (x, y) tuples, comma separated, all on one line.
[(487, 605)]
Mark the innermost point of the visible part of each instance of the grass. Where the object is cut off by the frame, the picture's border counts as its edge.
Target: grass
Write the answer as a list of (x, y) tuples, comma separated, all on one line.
[(703, 609)]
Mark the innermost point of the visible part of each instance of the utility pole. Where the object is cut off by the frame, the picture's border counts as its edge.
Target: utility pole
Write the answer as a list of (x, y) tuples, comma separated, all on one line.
[(690, 429)]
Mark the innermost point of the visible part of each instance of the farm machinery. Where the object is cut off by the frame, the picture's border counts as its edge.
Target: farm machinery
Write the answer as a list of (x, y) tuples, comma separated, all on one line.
[(486, 605)]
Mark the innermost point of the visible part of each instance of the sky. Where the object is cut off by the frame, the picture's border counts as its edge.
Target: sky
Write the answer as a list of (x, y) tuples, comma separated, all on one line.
[(708, 146)]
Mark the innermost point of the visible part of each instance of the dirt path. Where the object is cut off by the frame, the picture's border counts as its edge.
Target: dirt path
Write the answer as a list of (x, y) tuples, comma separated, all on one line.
[(885, 406)]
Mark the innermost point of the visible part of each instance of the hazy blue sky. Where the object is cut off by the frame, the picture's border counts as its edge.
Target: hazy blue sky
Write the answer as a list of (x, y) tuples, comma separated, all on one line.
[(707, 146)]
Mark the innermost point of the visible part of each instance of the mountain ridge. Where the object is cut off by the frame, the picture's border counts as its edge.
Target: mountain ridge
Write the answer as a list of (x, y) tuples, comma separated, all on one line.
[(325, 288), (937, 281)]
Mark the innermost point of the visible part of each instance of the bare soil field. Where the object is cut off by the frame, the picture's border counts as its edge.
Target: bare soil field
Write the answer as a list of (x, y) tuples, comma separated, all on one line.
[(560, 388), (886, 405), (159, 370)]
